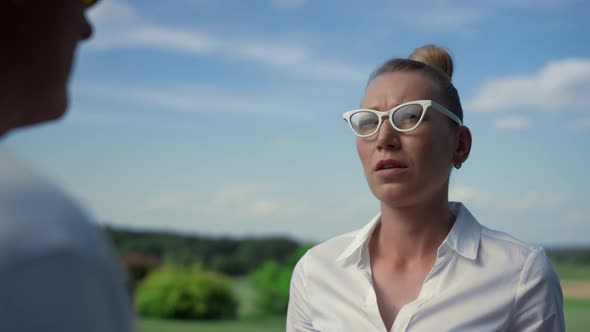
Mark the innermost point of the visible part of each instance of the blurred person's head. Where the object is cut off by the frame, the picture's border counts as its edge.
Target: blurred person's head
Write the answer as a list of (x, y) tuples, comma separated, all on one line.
[(412, 162), (38, 40)]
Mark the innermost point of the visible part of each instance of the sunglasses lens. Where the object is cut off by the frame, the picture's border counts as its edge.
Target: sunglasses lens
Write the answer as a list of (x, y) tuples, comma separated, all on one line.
[(408, 116), (364, 123)]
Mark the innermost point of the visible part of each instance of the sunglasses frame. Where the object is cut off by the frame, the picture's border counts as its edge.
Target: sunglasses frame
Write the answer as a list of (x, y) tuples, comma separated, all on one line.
[(426, 104)]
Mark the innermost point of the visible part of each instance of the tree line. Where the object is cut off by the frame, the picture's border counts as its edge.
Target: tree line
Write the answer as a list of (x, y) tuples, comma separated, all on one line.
[(183, 276), (228, 255)]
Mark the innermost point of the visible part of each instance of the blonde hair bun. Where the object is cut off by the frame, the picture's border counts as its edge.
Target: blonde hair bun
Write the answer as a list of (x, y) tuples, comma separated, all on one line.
[(435, 56)]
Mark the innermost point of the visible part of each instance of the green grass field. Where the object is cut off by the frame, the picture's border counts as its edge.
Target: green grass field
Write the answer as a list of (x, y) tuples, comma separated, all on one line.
[(577, 311), (241, 325), (577, 315), (573, 272)]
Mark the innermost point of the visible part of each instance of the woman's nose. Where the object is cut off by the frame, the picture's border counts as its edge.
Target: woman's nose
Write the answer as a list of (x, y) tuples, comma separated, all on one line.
[(387, 137)]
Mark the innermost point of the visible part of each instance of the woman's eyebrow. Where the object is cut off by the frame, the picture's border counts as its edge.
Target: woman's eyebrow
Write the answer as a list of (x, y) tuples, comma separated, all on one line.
[(380, 108)]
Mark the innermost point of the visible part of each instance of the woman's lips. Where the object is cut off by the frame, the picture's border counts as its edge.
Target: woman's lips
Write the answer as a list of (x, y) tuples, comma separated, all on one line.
[(389, 164), (390, 167), (387, 172)]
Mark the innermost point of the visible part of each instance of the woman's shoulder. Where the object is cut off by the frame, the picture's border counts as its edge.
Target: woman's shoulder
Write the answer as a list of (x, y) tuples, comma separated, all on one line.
[(500, 245), (326, 254), (491, 247), (332, 248)]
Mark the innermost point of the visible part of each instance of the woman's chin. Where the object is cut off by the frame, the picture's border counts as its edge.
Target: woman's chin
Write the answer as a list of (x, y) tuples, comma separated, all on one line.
[(394, 194)]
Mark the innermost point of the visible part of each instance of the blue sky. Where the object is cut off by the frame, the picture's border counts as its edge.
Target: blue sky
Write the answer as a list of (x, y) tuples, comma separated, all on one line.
[(224, 117)]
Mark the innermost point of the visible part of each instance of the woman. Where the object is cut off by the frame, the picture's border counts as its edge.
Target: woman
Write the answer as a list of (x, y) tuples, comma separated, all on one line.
[(423, 263)]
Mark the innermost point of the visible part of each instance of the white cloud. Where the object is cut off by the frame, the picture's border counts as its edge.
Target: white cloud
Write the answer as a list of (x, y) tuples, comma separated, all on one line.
[(256, 209), (460, 17), (241, 209), (229, 201), (574, 217), (517, 203), (267, 52), (124, 29), (193, 99), (554, 200), (435, 16), (78, 117), (512, 122), (103, 118), (560, 85), (535, 4), (288, 4), (249, 200), (265, 208), (445, 18), (148, 36), (580, 124), (469, 195), (529, 201), (170, 201), (112, 12), (292, 59)]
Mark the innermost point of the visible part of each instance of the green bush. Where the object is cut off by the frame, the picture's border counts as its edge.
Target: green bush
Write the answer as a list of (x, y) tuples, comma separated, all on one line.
[(272, 281), (186, 293)]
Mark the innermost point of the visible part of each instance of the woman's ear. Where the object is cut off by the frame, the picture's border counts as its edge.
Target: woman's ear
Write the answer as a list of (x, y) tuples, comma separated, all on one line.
[(463, 142)]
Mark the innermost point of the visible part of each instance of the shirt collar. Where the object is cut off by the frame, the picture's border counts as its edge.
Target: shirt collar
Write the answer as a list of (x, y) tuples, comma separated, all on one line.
[(360, 241), (464, 236), (466, 232)]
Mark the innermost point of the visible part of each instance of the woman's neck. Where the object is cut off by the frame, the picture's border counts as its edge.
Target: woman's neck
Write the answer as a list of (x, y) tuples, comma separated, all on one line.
[(412, 232)]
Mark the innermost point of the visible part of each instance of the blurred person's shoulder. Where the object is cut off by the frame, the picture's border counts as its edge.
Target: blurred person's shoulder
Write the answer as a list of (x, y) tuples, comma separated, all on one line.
[(37, 219)]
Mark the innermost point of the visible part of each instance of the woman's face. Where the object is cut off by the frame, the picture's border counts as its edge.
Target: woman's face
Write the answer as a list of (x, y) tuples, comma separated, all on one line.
[(405, 168)]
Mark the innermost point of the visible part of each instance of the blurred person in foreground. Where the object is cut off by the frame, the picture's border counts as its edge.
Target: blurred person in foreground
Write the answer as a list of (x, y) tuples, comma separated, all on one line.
[(57, 272), (423, 263)]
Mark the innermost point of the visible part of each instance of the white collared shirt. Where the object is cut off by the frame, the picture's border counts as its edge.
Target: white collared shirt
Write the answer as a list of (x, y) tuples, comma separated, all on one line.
[(482, 280)]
